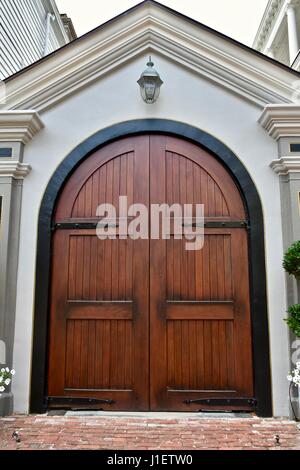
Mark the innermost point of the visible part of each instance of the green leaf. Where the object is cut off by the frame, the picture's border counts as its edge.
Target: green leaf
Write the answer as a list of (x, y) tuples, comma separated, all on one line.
[(294, 319), (291, 261)]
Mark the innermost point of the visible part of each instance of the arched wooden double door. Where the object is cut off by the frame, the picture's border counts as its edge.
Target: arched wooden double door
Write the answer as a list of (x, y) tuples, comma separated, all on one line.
[(145, 324)]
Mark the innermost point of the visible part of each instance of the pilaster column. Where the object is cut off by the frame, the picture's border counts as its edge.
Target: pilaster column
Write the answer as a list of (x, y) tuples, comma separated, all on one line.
[(292, 32), (17, 128), (282, 122)]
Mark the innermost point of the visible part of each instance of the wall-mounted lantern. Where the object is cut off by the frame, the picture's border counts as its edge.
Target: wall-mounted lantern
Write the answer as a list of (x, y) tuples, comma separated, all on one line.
[(150, 83)]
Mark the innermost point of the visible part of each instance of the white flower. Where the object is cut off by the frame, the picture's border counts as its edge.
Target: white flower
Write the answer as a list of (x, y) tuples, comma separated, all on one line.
[(13, 372), (7, 381), (1, 379), (2, 370), (294, 377), (7, 369), (2, 389)]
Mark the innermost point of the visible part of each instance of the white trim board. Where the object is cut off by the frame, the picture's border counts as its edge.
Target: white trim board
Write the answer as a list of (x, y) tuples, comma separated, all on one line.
[(150, 28)]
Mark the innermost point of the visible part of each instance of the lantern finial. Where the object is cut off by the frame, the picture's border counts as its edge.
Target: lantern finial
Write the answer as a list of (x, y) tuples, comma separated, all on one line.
[(150, 63), (150, 83)]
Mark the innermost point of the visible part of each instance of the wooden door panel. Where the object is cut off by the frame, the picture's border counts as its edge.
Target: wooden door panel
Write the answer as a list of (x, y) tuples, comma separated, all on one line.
[(105, 185), (99, 355), (99, 270), (187, 182), (199, 306), (198, 177), (118, 310), (200, 310), (99, 342), (203, 274), (148, 324), (200, 355), (99, 313)]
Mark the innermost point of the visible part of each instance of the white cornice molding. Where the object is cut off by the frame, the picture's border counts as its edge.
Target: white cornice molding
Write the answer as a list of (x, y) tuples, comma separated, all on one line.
[(281, 120), (14, 169), (275, 9), (286, 165), (271, 13), (149, 28), (19, 126)]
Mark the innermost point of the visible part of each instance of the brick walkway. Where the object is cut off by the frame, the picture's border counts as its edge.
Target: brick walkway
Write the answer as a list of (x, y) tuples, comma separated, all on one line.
[(96, 432)]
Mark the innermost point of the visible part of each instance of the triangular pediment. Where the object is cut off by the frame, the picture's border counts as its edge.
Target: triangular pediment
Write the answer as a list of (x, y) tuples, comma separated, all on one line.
[(151, 28)]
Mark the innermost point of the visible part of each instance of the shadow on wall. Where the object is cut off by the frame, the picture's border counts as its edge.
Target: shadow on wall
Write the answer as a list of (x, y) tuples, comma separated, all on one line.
[(2, 352)]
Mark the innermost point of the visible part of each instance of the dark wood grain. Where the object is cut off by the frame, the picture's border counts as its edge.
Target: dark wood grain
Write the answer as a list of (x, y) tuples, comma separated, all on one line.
[(148, 323), (99, 334), (200, 338)]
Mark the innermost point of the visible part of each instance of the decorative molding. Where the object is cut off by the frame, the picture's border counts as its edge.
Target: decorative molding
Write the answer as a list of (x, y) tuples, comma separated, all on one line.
[(268, 20), (281, 120), (273, 11), (291, 4), (19, 126), (14, 170), (149, 28), (286, 165), (259, 313)]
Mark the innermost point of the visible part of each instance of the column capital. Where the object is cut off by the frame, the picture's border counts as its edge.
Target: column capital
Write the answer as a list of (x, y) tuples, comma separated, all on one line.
[(282, 120), (14, 169), (291, 4), (286, 165), (292, 30), (19, 126)]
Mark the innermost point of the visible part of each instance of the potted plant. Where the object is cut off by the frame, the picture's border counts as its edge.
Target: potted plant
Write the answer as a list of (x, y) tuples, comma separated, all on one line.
[(6, 376), (291, 264), (294, 378), (293, 320), (291, 261)]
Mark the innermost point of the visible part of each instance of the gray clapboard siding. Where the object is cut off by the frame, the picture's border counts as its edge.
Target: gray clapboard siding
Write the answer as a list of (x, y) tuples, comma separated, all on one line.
[(23, 31)]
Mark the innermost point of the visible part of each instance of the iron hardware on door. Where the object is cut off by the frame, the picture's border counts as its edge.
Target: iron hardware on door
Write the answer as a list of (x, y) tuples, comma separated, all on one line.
[(108, 295), (233, 402), (56, 401), (82, 226), (217, 224)]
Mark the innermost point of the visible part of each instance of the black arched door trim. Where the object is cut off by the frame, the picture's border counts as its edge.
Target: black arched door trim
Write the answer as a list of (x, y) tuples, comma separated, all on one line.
[(259, 314)]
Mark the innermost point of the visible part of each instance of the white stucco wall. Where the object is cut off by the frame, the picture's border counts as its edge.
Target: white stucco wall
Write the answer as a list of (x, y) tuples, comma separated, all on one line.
[(184, 97)]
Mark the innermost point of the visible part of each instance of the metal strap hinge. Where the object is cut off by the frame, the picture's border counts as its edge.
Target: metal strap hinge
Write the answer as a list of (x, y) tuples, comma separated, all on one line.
[(94, 225), (77, 401), (234, 402)]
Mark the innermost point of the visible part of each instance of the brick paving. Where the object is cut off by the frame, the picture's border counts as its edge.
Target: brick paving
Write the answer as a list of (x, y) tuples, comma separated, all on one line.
[(133, 433)]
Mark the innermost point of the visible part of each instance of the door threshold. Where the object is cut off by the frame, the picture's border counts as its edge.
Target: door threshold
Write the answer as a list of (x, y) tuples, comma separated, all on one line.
[(151, 414)]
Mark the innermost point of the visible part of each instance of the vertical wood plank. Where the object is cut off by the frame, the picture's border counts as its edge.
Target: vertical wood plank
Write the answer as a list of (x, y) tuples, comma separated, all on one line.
[(208, 353), (69, 354), (190, 356), (200, 371), (171, 354), (185, 360), (91, 357)]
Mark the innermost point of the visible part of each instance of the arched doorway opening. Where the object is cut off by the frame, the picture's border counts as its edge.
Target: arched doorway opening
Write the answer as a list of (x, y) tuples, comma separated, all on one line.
[(144, 324)]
